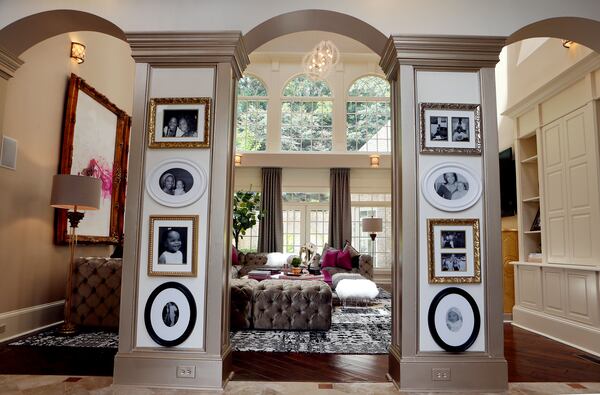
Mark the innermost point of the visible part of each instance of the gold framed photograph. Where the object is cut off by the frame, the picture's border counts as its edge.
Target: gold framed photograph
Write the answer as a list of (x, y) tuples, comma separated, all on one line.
[(453, 251), (179, 122), (450, 128), (173, 246)]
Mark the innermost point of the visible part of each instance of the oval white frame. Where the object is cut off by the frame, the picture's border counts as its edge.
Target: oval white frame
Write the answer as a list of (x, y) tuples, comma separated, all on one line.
[(195, 193), (428, 191)]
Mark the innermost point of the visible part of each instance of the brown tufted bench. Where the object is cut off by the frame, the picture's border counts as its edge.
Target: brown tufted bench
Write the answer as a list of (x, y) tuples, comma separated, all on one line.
[(292, 305), (242, 292), (96, 295)]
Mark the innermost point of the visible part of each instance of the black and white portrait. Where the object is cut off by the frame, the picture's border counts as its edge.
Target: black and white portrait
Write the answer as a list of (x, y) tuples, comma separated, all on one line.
[(170, 314), (176, 181), (451, 186), (460, 129), (180, 123), (172, 248), (453, 239), (438, 128), (454, 262), (454, 319)]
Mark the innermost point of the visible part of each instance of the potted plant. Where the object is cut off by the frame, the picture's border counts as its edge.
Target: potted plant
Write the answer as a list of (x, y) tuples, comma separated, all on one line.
[(246, 213), (296, 269)]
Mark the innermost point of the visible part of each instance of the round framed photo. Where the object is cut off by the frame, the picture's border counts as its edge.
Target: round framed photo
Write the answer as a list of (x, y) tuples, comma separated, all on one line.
[(454, 320), (451, 187), (170, 314), (176, 182)]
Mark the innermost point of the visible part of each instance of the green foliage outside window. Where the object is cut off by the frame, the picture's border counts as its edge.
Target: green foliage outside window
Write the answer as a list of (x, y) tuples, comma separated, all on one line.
[(251, 130)]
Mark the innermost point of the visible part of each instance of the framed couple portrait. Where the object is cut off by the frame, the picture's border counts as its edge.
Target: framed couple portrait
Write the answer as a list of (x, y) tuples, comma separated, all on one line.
[(450, 128), (451, 187), (176, 182), (173, 246), (179, 122), (453, 251)]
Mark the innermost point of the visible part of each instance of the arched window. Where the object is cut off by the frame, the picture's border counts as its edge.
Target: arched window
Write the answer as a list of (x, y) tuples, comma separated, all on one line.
[(306, 115), (368, 115), (251, 134)]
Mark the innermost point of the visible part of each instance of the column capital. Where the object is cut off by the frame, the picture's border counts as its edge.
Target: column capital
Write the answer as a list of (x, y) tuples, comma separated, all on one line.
[(9, 63), (178, 48)]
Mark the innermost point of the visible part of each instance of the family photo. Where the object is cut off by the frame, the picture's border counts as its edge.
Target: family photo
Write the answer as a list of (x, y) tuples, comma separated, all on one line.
[(172, 249), (451, 186), (180, 123), (170, 314), (454, 262), (176, 181), (454, 319), (453, 238), (438, 128), (460, 129)]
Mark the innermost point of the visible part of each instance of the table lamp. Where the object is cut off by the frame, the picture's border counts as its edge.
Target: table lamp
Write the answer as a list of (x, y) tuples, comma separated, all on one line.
[(75, 193)]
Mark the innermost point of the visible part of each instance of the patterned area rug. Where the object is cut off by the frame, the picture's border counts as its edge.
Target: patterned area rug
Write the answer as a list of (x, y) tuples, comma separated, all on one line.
[(354, 330), (95, 339)]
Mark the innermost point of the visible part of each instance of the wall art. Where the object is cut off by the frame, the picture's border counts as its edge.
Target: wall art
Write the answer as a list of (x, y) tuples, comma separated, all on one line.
[(451, 187), (176, 182), (179, 122), (173, 246), (450, 128)]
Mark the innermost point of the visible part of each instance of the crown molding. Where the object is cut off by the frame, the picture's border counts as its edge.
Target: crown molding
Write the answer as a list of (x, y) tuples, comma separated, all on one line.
[(447, 51), (9, 64), (389, 60), (555, 85), (178, 48)]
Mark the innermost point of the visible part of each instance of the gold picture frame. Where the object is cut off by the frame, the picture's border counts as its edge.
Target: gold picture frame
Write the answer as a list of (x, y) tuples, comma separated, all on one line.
[(167, 259), (441, 130), (193, 112), (454, 251)]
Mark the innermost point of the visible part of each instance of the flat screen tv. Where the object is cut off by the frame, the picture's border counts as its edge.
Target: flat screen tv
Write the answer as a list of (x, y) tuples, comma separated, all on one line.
[(508, 183)]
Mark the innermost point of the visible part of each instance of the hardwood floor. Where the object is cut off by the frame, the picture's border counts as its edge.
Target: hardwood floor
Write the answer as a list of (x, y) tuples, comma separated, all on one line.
[(531, 358)]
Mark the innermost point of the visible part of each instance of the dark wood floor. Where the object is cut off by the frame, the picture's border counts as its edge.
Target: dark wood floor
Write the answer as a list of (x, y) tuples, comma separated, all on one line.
[(531, 358)]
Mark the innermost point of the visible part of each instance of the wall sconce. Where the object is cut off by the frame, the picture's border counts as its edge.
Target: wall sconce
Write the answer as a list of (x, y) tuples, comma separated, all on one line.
[(374, 160), (567, 43), (237, 160), (78, 52)]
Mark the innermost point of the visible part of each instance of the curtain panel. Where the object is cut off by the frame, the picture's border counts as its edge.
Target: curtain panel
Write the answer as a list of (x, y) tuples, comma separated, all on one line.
[(340, 212), (270, 236)]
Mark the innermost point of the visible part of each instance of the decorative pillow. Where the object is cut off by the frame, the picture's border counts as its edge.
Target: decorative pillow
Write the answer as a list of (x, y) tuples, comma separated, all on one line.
[(326, 247), (353, 252), (330, 259), (276, 259), (326, 276), (355, 261), (234, 256), (343, 260)]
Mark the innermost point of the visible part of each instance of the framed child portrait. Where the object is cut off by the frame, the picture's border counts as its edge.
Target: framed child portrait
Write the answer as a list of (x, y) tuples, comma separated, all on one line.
[(179, 122), (173, 246)]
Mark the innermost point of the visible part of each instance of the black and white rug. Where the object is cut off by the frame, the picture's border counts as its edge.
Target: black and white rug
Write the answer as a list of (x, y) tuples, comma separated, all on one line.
[(360, 329), (354, 330)]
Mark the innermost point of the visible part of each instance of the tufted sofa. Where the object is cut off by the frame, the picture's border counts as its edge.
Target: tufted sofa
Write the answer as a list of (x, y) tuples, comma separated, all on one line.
[(365, 267), (96, 292), (292, 305), (242, 292)]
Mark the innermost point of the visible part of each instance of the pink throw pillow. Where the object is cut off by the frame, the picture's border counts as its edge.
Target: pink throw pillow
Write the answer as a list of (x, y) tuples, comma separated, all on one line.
[(330, 259), (344, 260), (326, 276), (234, 256)]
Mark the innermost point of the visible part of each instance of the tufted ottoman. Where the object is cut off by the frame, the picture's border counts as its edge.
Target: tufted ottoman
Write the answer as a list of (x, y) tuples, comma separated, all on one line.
[(96, 294), (292, 305), (242, 292)]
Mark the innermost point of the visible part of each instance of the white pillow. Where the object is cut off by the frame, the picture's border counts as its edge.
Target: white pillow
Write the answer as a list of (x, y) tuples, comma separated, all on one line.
[(277, 258), (356, 289)]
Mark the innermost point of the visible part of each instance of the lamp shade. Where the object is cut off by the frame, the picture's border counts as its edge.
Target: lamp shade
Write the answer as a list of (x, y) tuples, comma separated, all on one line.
[(372, 225), (69, 191)]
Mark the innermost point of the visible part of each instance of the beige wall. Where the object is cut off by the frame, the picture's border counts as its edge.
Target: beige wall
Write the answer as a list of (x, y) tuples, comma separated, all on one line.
[(33, 268)]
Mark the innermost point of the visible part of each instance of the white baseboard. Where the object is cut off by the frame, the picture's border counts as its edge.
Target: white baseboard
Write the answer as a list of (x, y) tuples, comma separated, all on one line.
[(20, 322), (574, 334)]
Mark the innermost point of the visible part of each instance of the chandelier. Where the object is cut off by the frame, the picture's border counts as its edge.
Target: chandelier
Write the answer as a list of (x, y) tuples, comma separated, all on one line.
[(319, 62)]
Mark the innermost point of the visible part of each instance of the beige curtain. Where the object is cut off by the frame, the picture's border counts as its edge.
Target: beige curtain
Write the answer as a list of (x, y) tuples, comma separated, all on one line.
[(340, 212), (270, 236)]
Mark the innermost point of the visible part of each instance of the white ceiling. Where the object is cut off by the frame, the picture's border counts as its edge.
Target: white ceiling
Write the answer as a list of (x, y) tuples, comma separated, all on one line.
[(302, 42)]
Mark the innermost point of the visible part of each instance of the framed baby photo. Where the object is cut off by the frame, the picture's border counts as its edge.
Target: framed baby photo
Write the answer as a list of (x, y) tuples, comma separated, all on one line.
[(450, 128), (172, 246), (176, 182), (451, 187), (453, 251), (179, 122)]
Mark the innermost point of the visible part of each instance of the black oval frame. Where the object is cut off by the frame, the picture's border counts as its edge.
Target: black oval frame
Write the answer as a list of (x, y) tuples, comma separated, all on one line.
[(431, 319), (148, 322)]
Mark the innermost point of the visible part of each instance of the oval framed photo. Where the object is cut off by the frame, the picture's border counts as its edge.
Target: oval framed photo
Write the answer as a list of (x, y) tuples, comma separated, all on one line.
[(170, 314), (451, 187), (176, 182), (454, 320)]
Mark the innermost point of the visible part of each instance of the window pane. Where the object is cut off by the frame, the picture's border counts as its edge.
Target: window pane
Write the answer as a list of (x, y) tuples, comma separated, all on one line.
[(250, 86), (303, 86), (370, 86), (251, 132), (381, 249)]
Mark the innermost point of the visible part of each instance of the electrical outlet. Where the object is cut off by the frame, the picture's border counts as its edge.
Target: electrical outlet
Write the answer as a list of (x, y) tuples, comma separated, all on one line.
[(186, 372), (440, 374), (2, 328)]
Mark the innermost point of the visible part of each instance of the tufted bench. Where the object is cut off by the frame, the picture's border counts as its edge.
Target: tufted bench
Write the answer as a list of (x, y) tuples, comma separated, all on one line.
[(292, 305), (96, 293), (242, 291)]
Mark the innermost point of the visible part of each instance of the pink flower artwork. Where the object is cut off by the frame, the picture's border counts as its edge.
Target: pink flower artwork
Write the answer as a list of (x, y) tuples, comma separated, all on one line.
[(100, 169)]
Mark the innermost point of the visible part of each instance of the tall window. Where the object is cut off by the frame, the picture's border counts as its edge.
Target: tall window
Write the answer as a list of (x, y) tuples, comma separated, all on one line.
[(250, 241), (251, 134), (306, 115), (368, 115), (305, 219), (376, 205)]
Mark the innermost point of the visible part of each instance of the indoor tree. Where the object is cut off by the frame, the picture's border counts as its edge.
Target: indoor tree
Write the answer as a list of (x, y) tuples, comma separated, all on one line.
[(246, 213)]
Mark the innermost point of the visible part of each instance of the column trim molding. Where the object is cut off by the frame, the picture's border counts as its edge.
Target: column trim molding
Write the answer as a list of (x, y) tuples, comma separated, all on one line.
[(189, 48), (9, 63)]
